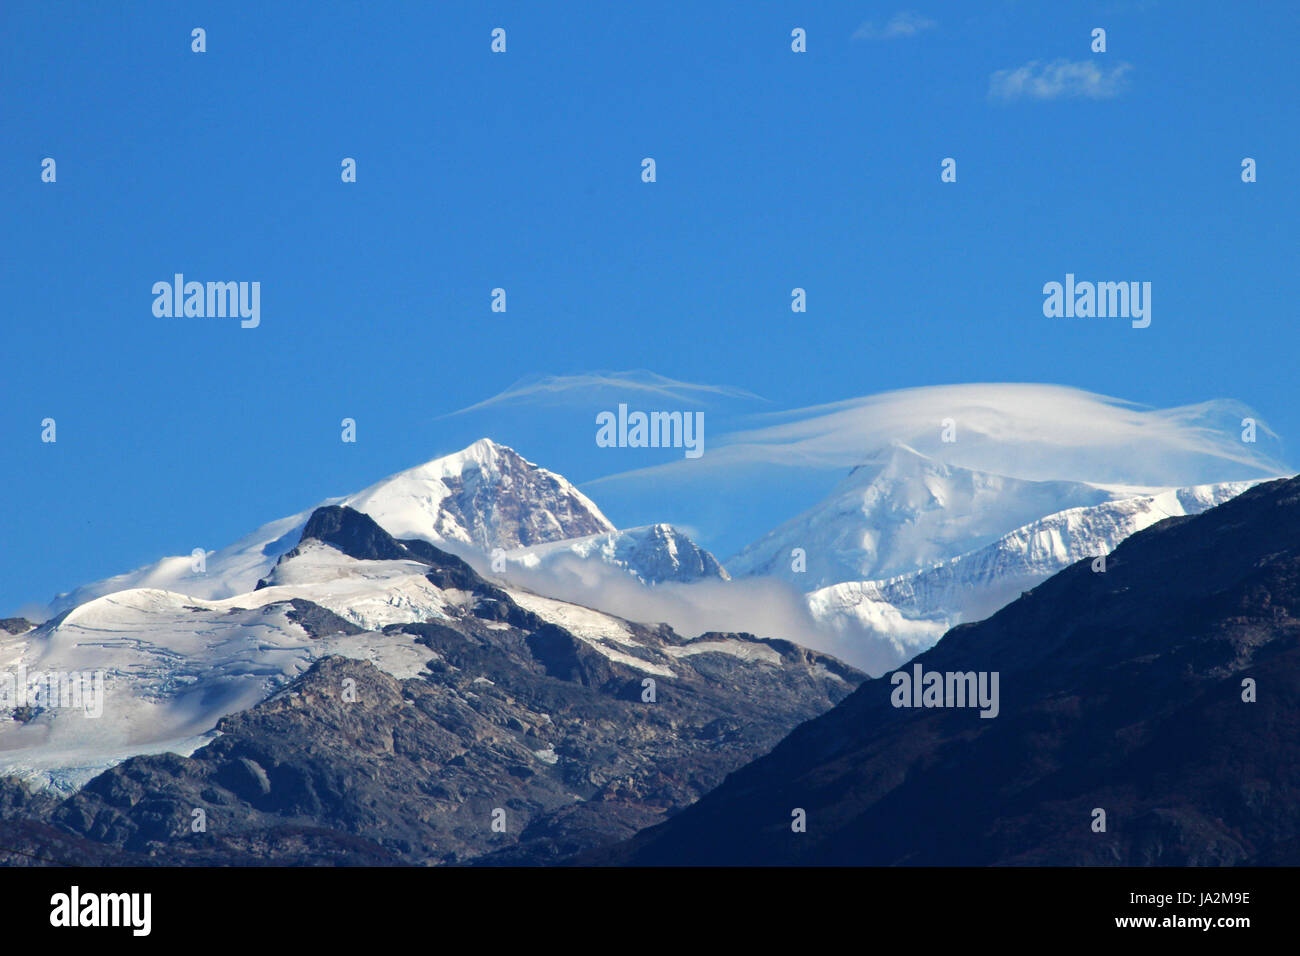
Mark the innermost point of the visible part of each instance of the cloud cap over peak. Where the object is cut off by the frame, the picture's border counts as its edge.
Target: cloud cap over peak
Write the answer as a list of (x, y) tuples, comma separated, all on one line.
[(1021, 430)]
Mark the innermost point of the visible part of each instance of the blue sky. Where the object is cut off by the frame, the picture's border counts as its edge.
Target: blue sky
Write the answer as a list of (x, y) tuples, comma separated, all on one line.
[(522, 170)]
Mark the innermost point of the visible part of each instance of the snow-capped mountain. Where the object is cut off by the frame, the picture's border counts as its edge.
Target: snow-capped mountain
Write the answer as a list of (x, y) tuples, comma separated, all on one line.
[(906, 547), (487, 496), (652, 555), (171, 667), (896, 618), (480, 499), (182, 648), (901, 550), (901, 512)]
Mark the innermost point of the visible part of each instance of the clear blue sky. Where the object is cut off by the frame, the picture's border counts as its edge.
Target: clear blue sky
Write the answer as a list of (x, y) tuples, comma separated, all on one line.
[(522, 170)]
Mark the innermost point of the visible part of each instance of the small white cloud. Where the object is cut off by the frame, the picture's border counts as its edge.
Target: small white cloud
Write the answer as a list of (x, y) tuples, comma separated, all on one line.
[(581, 386), (901, 24), (1059, 79)]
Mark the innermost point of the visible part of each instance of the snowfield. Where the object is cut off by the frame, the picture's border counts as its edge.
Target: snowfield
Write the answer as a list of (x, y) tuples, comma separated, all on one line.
[(897, 618)]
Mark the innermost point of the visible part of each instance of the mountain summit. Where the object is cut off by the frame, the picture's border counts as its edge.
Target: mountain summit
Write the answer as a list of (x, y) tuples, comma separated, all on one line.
[(487, 496), (900, 512)]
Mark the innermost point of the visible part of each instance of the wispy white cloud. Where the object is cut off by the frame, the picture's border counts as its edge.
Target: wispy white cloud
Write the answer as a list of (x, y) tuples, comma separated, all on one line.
[(901, 24), (765, 607), (1086, 79), (584, 385), (1031, 431)]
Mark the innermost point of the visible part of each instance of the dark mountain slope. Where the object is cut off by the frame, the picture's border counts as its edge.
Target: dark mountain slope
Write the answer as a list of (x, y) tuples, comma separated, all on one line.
[(1119, 690)]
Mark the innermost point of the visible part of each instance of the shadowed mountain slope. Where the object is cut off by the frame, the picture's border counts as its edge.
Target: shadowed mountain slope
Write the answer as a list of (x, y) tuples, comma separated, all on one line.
[(1120, 691)]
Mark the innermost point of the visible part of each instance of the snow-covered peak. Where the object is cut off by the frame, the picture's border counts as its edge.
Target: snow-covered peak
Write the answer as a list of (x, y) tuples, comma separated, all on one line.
[(487, 496), (482, 454), (901, 511)]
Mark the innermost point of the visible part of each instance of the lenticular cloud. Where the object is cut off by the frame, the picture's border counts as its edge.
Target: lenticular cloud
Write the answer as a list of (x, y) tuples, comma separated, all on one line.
[(1037, 432)]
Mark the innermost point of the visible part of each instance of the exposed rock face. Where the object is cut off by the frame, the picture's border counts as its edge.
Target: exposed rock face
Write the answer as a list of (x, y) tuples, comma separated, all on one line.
[(318, 621), (27, 840), (579, 727), (1120, 691)]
